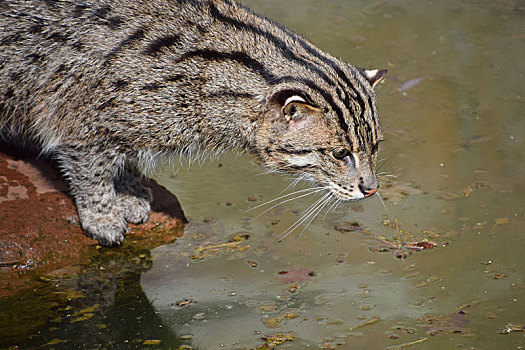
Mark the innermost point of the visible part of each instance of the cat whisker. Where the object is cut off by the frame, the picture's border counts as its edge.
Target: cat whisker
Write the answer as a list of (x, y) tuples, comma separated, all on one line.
[(333, 207), (288, 200), (269, 171), (293, 183), (382, 201), (308, 212), (384, 161), (312, 190), (317, 211), (386, 174)]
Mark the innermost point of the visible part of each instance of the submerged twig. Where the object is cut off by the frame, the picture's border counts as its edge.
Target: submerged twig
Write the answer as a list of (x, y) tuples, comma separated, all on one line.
[(373, 320), (210, 247), (404, 345)]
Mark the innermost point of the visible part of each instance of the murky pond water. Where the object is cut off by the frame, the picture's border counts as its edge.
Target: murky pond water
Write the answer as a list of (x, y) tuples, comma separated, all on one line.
[(453, 114)]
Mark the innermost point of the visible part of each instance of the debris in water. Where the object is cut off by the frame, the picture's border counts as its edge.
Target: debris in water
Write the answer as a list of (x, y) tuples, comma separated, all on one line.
[(401, 249), (55, 341), (502, 221), (252, 263), (184, 302), (404, 345), (296, 275), (368, 322), (427, 282), (446, 324), (84, 314), (344, 227), (275, 321), (409, 84), (277, 339), (85, 317), (509, 328), (479, 225), (204, 252), (86, 310), (268, 308)]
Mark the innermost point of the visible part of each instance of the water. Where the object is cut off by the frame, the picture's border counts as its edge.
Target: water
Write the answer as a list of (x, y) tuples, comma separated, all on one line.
[(452, 110)]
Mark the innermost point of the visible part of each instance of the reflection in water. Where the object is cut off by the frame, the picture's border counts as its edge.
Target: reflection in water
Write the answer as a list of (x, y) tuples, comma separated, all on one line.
[(101, 306), (452, 111)]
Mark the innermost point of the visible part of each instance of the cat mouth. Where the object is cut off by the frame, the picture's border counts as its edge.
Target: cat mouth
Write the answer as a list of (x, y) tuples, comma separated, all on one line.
[(345, 194)]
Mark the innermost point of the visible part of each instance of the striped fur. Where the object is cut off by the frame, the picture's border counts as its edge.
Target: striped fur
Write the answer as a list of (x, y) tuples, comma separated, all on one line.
[(100, 84)]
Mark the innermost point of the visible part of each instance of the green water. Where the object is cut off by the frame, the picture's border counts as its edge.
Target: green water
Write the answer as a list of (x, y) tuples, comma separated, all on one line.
[(453, 115)]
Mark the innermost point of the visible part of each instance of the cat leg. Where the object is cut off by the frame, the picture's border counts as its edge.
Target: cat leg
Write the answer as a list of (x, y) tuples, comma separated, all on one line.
[(134, 198), (91, 175)]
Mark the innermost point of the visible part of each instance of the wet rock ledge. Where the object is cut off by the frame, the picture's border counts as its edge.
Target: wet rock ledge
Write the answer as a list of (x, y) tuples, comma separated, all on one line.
[(39, 230)]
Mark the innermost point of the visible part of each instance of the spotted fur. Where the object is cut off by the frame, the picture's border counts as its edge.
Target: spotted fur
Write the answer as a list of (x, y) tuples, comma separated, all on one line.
[(102, 85)]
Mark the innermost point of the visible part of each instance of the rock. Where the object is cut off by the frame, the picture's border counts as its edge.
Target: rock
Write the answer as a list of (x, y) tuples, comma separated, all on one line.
[(39, 230)]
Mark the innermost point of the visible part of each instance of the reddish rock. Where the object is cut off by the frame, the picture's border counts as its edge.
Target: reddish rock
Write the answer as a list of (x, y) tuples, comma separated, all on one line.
[(39, 230)]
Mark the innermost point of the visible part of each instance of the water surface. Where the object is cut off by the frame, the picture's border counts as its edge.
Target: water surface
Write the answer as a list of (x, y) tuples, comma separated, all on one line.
[(453, 115)]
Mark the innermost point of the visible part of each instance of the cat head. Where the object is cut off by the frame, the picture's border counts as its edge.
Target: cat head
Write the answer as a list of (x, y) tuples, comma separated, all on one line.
[(329, 138)]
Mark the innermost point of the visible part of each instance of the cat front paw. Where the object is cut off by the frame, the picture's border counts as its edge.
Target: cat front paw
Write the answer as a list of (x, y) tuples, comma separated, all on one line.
[(109, 229), (134, 209), (132, 198)]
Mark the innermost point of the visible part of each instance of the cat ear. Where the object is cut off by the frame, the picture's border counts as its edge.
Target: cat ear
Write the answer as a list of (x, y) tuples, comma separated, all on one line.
[(291, 105), (374, 76), (297, 111)]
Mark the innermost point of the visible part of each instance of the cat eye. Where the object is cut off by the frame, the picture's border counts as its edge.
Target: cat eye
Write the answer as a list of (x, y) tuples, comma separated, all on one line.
[(340, 153)]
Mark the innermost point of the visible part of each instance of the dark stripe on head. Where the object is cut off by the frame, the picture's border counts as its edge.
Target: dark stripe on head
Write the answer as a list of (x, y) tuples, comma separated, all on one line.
[(174, 78), (375, 119), (102, 11), (158, 44), (286, 52), (152, 86), (258, 67), (230, 94), (330, 100), (129, 40), (342, 75), (237, 56), (299, 167), (279, 43), (289, 150), (294, 151)]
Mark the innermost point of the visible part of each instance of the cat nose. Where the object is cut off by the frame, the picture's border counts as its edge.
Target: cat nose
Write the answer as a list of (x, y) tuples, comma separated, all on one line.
[(369, 191)]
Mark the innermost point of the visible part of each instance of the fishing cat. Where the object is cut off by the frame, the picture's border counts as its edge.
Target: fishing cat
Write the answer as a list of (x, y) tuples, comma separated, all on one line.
[(103, 85)]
